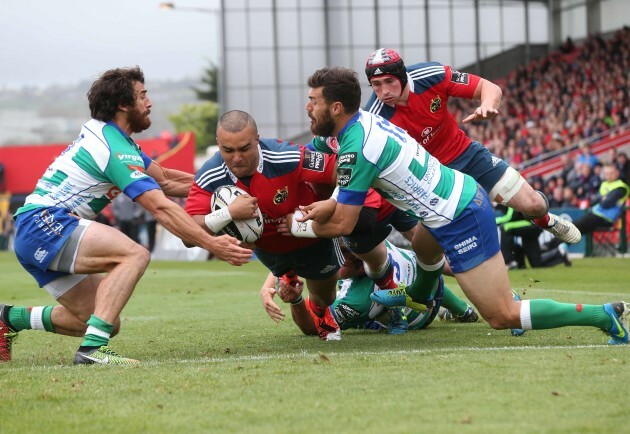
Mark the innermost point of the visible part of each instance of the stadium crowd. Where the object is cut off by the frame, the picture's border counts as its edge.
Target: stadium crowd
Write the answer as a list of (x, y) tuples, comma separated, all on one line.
[(572, 95)]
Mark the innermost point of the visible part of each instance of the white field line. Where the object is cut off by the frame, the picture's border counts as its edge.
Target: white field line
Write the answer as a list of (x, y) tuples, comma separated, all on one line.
[(618, 295), (310, 355)]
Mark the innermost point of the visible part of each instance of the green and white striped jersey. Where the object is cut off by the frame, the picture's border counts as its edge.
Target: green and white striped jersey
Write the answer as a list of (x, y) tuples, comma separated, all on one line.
[(91, 172), (376, 153)]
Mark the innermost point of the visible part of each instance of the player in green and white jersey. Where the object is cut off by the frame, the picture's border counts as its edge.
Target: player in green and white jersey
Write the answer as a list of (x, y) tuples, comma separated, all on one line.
[(92, 269), (353, 307), (456, 217)]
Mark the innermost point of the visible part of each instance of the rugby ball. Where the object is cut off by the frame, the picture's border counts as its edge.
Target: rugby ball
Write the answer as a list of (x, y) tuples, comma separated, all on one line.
[(248, 230)]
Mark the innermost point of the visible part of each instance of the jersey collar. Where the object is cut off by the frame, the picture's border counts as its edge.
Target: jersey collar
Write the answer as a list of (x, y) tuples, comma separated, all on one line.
[(124, 134), (353, 120)]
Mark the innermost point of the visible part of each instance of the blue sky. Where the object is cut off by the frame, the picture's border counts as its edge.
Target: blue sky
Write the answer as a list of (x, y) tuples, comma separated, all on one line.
[(65, 41)]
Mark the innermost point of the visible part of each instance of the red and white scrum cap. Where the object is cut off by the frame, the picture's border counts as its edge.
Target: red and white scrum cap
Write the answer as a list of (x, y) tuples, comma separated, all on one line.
[(386, 61)]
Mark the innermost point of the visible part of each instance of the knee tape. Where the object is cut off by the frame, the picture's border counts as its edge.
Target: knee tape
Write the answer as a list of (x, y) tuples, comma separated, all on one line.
[(509, 184)]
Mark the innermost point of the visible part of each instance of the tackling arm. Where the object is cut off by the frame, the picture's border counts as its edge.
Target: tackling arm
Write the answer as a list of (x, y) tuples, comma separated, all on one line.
[(341, 223), (174, 218), (173, 182)]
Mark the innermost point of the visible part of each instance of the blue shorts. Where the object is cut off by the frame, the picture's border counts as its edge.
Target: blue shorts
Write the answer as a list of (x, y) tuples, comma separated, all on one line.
[(471, 238), (363, 243), (481, 164), (316, 262), (39, 235)]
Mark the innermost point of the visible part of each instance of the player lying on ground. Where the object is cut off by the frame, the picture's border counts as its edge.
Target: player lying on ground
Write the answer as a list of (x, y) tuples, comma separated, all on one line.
[(353, 307)]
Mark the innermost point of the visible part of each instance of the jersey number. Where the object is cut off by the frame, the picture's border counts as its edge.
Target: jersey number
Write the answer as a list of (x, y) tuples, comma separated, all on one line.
[(397, 132)]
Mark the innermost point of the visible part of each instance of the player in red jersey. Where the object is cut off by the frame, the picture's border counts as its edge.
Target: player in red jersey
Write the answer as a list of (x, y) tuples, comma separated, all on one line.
[(276, 175), (414, 98)]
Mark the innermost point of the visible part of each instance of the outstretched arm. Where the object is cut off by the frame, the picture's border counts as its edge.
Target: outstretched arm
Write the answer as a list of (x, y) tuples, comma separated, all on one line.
[(289, 294), (173, 182), (174, 218), (489, 95)]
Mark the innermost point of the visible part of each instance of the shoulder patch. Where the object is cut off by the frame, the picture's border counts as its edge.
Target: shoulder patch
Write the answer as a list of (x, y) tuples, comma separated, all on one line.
[(349, 158), (343, 176), (459, 77), (314, 160)]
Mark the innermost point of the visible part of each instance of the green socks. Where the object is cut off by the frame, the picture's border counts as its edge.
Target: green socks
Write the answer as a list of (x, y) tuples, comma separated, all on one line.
[(546, 314), (426, 281), (26, 318), (97, 333), (456, 305)]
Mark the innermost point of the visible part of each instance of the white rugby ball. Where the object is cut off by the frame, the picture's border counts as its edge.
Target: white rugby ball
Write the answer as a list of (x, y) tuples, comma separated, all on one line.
[(248, 230)]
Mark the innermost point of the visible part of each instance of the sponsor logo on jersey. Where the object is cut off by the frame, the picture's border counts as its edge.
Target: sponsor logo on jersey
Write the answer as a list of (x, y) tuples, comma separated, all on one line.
[(344, 313), (350, 158), (427, 131), (128, 158), (270, 220), (40, 254), (137, 174), (281, 195), (313, 161), (495, 160), (436, 104), (459, 77), (343, 176), (112, 193), (466, 245), (434, 201)]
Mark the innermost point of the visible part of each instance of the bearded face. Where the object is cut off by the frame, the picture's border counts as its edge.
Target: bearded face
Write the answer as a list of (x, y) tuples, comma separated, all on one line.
[(138, 119), (322, 123)]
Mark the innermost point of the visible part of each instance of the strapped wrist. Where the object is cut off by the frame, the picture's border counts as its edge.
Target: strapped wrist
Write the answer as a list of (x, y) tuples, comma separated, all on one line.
[(217, 220), (335, 194), (302, 229)]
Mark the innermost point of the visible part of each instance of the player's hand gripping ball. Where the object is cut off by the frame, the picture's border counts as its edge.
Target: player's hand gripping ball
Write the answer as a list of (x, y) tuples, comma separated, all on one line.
[(249, 230)]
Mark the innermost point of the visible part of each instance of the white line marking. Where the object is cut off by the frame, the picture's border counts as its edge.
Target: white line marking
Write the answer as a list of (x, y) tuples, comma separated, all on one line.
[(309, 355)]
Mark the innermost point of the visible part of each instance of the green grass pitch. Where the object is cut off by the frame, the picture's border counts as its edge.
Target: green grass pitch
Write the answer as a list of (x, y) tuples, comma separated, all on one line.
[(214, 362)]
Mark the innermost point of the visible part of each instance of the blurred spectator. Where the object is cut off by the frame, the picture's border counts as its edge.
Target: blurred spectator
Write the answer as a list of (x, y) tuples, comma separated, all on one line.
[(608, 204), (623, 166), (557, 197), (585, 184), (520, 239), (128, 216), (573, 94), (569, 197), (7, 230), (586, 156), (568, 168)]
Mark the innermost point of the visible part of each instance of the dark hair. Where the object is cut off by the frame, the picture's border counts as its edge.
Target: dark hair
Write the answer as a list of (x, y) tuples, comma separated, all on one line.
[(114, 88), (339, 84), (236, 121)]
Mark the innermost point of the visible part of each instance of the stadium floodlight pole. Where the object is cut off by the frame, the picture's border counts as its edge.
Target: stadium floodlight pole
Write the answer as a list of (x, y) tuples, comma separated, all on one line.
[(167, 6)]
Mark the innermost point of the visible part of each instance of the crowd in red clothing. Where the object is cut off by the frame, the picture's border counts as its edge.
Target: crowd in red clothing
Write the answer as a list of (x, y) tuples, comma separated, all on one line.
[(577, 93)]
